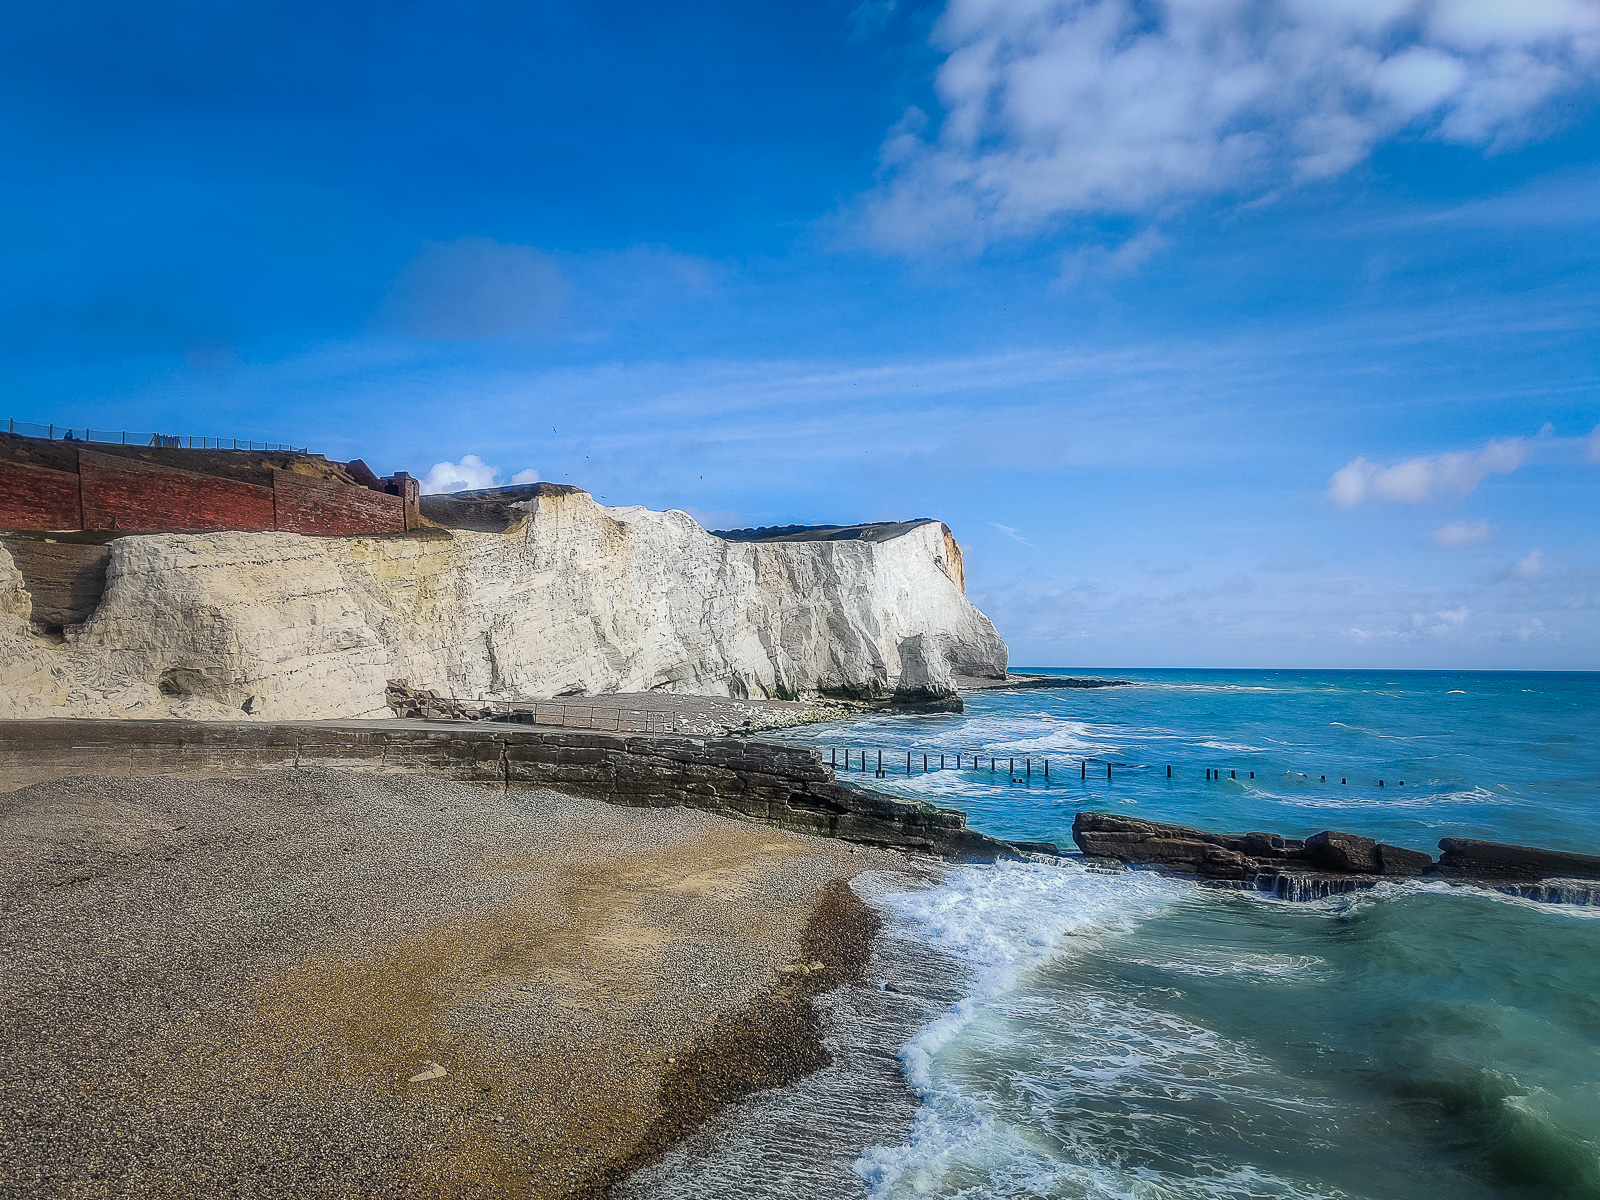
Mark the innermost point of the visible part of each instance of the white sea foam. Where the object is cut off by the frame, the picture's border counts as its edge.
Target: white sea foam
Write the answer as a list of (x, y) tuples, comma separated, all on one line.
[(1223, 687), (1296, 968), (1395, 799), (1001, 921)]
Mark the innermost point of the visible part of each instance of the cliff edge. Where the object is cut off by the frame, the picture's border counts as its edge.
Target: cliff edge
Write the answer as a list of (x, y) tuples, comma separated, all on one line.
[(565, 597)]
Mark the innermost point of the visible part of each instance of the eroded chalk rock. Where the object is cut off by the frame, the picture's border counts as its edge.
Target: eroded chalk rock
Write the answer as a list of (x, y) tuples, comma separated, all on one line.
[(563, 597)]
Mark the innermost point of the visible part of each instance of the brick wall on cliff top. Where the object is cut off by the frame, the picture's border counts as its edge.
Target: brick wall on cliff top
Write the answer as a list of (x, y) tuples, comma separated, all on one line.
[(118, 492)]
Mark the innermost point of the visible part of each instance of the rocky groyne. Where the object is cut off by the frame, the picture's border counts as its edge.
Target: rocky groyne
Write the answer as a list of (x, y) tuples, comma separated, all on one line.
[(1330, 862)]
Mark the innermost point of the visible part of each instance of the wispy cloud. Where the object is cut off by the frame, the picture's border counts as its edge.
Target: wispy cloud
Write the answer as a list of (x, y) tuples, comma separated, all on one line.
[(1124, 259), (1420, 479), (1011, 533), (1460, 533), (1116, 106)]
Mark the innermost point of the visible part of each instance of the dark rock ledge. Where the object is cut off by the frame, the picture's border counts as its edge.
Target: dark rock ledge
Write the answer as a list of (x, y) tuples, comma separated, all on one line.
[(1330, 863)]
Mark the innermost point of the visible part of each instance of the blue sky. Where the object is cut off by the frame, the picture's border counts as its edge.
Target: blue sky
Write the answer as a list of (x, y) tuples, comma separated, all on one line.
[(1222, 333)]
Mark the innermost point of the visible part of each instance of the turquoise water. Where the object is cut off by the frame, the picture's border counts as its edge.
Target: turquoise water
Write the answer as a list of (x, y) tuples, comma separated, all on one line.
[(1130, 1036)]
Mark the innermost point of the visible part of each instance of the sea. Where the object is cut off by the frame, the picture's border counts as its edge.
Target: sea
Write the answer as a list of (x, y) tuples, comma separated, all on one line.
[(1042, 1029)]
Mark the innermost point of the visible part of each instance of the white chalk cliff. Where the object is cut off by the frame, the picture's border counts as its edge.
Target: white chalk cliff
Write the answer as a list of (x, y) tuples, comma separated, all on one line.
[(574, 598)]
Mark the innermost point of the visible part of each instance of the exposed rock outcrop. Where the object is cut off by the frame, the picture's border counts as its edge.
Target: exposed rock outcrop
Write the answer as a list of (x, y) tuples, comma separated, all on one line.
[(426, 704), (1330, 863), (1492, 860), (570, 598), (1256, 859)]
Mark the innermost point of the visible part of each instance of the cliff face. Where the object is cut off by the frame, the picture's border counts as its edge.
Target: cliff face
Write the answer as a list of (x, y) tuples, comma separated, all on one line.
[(573, 598)]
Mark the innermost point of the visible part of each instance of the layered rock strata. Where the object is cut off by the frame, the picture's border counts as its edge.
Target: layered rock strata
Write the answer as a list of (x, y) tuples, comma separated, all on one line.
[(1330, 862), (782, 785), (551, 595)]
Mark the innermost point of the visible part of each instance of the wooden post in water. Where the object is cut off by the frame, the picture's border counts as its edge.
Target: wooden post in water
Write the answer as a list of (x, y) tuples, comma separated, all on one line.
[(1028, 765), (1083, 768), (1047, 768), (908, 762), (880, 762), (924, 764), (1169, 770), (1011, 766), (1108, 772)]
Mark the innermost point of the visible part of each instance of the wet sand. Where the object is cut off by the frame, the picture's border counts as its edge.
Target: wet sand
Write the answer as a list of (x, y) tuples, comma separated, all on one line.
[(242, 986)]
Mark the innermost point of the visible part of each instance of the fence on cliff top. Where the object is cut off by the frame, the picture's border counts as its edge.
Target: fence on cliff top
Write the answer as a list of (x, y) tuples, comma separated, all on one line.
[(122, 437)]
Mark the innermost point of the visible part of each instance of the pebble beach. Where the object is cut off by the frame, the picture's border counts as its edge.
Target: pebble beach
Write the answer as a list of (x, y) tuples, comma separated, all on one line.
[(335, 983)]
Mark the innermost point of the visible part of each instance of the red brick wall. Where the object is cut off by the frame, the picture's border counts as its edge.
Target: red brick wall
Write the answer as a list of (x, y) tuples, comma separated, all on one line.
[(307, 505), (112, 492), (121, 493), (38, 498)]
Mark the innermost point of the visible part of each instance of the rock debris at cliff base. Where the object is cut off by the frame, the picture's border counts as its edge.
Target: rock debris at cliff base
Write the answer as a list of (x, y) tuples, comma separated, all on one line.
[(226, 985)]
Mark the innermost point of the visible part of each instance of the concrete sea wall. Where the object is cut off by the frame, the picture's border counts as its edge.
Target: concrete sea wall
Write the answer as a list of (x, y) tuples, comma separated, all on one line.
[(781, 785)]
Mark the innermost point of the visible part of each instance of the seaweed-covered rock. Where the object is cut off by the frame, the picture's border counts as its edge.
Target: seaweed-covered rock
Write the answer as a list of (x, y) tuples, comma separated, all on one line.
[(1287, 867), (1397, 860), (1493, 860), (1347, 853)]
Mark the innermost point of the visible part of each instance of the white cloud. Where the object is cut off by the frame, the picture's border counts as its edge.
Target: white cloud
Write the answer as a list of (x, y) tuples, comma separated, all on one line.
[(468, 475), (1420, 479), (1055, 107), (1453, 618), (1460, 533), (1120, 260), (1530, 565)]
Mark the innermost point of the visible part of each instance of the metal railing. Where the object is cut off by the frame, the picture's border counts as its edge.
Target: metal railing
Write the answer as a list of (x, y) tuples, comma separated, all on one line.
[(569, 716), (122, 437)]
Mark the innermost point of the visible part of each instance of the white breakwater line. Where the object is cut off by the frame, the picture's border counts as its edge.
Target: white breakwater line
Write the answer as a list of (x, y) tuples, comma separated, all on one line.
[(999, 922)]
